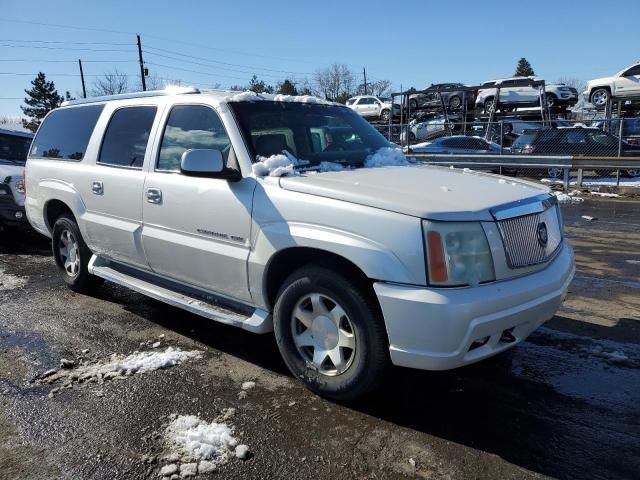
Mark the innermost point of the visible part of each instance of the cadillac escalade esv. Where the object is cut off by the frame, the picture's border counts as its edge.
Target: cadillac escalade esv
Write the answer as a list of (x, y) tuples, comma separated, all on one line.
[(293, 215)]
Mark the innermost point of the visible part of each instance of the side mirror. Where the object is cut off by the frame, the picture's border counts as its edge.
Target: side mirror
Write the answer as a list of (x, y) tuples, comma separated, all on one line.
[(202, 162)]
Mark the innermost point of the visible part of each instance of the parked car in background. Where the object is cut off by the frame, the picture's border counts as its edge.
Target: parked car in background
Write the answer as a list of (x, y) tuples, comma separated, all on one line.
[(457, 144), (575, 141), (429, 127), (514, 93), (630, 128), (430, 97), (625, 83), (14, 147), (370, 106)]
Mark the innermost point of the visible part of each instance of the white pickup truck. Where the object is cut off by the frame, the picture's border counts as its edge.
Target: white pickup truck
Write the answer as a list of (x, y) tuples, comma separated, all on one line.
[(623, 85), (295, 216)]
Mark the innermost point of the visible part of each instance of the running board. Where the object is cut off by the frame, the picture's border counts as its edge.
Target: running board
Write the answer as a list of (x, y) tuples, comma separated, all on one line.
[(258, 322)]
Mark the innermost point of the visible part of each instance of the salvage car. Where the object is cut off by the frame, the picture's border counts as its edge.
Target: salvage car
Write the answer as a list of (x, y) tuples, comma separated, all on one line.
[(457, 145), (622, 85), (14, 146), (370, 106), (354, 257), (451, 94), (576, 141), (515, 93)]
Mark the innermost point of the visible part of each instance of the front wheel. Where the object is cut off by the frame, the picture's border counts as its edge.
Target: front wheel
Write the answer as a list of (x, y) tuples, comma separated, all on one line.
[(385, 115), (329, 334), (632, 173), (72, 255), (455, 102), (555, 172)]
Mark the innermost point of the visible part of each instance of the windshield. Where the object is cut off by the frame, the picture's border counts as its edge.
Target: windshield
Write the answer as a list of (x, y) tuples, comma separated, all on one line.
[(311, 132), (14, 147)]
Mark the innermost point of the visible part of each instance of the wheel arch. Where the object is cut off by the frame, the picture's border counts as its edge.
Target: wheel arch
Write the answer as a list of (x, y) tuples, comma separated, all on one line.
[(52, 211), (598, 87), (285, 262)]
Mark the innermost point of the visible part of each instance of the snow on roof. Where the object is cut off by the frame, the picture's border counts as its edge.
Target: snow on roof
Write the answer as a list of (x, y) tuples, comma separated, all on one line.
[(15, 128), (250, 96)]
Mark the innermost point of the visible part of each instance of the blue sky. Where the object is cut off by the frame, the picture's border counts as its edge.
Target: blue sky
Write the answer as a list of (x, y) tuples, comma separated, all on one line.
[(411, 43)]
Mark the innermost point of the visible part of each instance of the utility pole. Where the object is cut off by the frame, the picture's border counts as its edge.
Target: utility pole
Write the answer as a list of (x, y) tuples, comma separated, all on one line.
[(364, 72), (144, 82), (84, 89)]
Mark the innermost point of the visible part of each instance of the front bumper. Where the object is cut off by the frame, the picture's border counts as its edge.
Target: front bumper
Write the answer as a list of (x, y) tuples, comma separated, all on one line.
[(12, 214), (441, 329)]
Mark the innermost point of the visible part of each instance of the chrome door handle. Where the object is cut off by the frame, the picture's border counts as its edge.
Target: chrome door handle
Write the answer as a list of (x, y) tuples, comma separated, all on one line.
[(154, 195), (97, 188)]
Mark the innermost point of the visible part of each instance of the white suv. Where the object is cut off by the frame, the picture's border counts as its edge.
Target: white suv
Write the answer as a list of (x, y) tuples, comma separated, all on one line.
[(370, 106), (514, 93), (265, 213), (624, 84)]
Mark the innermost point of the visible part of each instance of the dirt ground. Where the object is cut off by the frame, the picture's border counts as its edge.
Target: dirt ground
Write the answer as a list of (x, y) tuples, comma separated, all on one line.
[(563, 404)]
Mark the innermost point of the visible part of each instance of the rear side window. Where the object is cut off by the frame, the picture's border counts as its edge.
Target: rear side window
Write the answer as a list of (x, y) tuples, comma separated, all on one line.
[(65, 133), (191, 127), (126, 138)]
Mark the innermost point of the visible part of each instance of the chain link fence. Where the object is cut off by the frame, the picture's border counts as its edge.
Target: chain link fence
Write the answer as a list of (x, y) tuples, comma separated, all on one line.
[(540, 150)]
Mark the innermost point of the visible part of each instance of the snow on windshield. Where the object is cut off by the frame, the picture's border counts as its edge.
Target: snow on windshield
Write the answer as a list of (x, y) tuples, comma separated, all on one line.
[(277, 165), (386, 157), (250, 96), (283, 164)]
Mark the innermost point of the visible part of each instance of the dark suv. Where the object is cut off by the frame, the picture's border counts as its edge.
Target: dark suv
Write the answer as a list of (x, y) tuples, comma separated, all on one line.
[(452, 94), (576, 141)]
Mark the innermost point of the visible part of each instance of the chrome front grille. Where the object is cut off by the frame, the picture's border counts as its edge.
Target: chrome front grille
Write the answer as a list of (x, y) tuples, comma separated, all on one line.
[(524, 237)]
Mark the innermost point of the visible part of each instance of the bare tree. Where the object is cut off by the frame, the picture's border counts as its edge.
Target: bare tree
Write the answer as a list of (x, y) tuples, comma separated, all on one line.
[(576, 83), (381, 88), (111, 83), (336, 82)]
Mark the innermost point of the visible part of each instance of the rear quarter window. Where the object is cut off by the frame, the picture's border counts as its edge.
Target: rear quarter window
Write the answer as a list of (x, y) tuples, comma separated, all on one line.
[(65, 133)]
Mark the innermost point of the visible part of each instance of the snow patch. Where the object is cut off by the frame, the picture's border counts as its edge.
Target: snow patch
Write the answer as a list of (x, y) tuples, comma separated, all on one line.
[(564, 198), (249, 96), (605, 194), (277, 165), (119, 366), (248, 385), (331, 167), (10, 282), (386, 157), (197, 446)]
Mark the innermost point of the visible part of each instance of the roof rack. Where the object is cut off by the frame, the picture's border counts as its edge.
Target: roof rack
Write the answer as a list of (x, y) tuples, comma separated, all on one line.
[(124, 96)]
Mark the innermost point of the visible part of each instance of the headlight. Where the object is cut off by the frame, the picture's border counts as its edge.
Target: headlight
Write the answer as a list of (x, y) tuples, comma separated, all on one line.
[(457, 254)]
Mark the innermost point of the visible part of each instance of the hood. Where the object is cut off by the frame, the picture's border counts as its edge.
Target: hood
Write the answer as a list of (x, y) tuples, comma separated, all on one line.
[(423, 191)]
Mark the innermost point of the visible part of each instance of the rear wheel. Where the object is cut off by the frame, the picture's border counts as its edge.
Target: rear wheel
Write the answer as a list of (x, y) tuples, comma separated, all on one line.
[(385, 115), (72, 255), (600, 97), (329, 334), (488, 105), (550, 99), (413, 104), (455, 102), (555, 172), (632, 173)]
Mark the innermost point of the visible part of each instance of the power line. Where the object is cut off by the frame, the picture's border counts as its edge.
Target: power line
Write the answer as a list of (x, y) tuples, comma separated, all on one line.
[(63, 61), (226, 63), (212, 66), (194, 71), (67, 48), (64, 42), (57, 25), (49, 74)]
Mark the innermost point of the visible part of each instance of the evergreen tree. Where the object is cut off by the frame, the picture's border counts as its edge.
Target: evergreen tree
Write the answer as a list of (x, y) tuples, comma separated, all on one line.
[(259, 86), (42, 98), (287, 88), (524, 69)]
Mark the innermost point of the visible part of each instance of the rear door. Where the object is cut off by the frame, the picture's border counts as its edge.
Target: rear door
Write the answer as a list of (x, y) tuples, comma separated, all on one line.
[(197, 229), (112, 189)]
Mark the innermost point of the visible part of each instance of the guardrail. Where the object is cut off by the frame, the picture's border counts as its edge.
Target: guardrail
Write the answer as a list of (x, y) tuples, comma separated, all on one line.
[(557, 168)]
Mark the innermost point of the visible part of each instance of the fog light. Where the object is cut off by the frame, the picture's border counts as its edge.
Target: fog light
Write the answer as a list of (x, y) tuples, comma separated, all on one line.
[(19, 215)]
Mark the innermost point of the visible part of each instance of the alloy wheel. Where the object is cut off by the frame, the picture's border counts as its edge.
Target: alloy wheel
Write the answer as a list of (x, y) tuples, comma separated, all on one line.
[(69, 251), (323, 334)]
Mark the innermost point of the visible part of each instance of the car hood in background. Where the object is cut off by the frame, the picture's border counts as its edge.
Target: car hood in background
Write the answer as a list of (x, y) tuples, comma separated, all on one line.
[(419, 190)]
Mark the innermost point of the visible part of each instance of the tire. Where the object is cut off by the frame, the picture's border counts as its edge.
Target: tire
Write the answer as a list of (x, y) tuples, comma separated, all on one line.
[(632, 173), (455, 102), (600, 97), (412, 137), (550, 100), (72, 255), (385, 115), (413, 104), (555, 172), (330, 311)]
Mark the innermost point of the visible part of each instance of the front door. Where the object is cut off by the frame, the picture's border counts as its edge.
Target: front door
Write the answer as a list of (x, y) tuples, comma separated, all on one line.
[(112, 189), (197, 230), (629, 82)]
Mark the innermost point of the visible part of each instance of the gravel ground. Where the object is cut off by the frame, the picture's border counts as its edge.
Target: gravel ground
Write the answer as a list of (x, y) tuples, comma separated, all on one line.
[(563, 404)]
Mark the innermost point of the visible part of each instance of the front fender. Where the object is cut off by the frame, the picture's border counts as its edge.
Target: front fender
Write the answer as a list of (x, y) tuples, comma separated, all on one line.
[(374, 259)]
